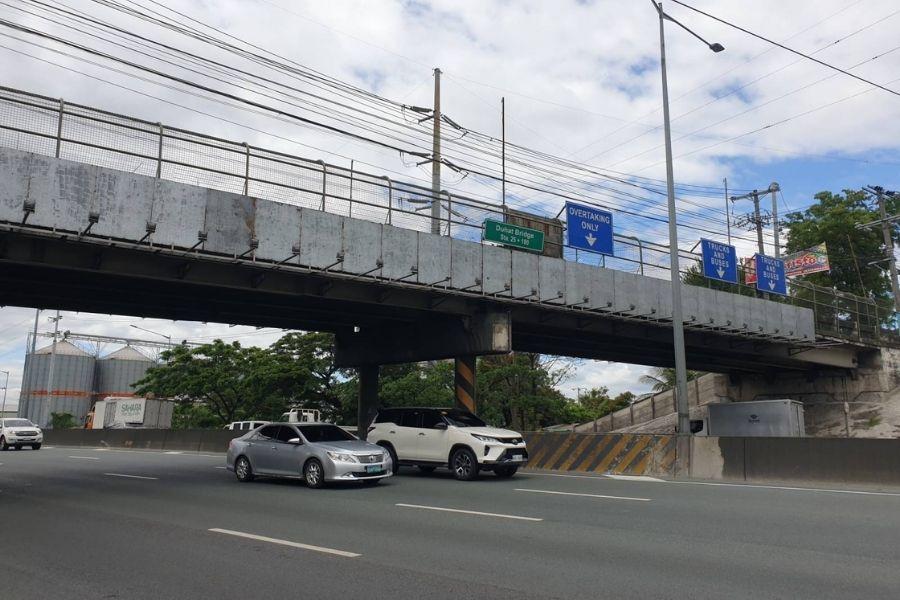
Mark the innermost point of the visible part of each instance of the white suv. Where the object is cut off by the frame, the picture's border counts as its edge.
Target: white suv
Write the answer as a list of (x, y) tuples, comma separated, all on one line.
[(447, 437), (20, 432)]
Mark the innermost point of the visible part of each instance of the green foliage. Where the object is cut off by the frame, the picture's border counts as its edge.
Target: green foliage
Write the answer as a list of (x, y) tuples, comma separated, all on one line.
[(663, 379), (833, 220), (596, 403), (62, 421)]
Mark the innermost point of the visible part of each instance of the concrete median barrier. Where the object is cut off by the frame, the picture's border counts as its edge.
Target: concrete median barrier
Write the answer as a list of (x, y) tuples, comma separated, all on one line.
[(624, 454), (184, 440)]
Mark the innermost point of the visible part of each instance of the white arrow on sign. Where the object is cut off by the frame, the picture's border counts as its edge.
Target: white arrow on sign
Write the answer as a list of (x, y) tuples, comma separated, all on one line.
[(590, 239), (721, 272), (771, 285)]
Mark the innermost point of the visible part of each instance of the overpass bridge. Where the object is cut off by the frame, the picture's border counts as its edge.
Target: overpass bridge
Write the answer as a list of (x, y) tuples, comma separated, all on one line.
[(105, 213)]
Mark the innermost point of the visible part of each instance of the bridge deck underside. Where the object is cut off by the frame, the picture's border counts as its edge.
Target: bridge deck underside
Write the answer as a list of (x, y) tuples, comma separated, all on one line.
[(45, 271)]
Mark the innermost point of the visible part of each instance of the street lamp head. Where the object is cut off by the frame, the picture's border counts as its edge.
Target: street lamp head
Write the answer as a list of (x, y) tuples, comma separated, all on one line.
[(716, 47)]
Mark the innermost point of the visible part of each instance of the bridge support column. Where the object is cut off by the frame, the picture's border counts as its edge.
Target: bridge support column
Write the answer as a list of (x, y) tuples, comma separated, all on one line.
[(464, 383), (368, 399)]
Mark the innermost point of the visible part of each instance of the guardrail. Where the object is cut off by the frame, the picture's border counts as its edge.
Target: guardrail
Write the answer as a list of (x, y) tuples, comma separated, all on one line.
[(54, 127)]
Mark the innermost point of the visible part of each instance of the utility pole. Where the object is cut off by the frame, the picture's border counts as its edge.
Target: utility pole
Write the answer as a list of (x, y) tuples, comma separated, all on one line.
[(773, 187), (757, 218), (436, 157), (885, 223), (50, 371), (727, 214), (503, 150), (37, 315)]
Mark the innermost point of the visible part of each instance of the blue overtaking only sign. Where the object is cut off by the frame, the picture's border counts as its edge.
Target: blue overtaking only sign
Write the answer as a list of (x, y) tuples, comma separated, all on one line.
[(770, 275), (589, 228), (719, 261)]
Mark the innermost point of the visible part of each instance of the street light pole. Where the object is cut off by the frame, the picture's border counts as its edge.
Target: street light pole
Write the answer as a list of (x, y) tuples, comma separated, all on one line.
[(681, 395), (5, 385), (168, 337)]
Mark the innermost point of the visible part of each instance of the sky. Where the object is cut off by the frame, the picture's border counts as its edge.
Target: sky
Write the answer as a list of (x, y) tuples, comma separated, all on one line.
[(580, 81)]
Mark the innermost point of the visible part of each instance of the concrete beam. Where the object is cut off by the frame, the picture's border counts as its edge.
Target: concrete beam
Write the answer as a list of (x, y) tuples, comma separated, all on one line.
[(434, 338)]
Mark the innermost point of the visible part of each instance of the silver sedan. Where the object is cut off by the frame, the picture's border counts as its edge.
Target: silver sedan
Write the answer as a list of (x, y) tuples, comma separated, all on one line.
[(317, 452)]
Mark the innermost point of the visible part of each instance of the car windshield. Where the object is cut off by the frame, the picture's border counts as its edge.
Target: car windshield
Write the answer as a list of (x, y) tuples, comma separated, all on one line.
[(17, 423), (462, 418), (325, 433)]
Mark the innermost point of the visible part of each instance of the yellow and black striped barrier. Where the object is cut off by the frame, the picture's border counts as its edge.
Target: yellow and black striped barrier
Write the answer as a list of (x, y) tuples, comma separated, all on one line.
[(464, 383), (619, 453)]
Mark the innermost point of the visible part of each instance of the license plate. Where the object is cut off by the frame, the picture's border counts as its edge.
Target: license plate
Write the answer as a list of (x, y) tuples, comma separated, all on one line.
[(373, 468)]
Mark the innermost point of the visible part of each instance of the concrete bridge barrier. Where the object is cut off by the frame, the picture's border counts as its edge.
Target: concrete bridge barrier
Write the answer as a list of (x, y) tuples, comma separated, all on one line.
[(619, 453), (186, 440)]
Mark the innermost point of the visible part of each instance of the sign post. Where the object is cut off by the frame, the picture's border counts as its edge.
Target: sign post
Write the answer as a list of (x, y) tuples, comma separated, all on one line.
[(719, 261), (513, 235), (770, 275), (589, 228)]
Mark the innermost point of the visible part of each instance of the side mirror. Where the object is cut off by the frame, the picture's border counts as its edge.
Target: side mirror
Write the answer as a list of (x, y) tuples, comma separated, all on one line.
[(295, 441), (440, 425)]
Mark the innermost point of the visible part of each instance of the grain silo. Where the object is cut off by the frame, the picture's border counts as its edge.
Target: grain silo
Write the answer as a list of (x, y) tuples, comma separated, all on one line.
[(116, 372), (70, 390)]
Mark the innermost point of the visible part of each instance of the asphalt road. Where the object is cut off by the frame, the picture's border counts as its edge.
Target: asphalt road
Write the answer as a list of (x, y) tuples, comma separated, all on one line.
[(82, 523)]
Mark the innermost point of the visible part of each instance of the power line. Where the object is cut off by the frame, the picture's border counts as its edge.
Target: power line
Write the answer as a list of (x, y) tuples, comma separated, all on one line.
[(783, 47)]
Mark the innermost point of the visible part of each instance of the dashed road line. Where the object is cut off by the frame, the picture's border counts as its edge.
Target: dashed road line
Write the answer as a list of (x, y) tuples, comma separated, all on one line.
[(583, 495), (262, 538), (634, 478), (85, 457), (131, 476), (469, 512)]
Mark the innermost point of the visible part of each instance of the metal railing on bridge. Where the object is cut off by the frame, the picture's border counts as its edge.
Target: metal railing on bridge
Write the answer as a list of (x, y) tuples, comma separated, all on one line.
[(54, 127)]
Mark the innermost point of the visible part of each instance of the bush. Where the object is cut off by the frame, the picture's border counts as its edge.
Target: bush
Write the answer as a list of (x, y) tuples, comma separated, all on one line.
[(62, 421)]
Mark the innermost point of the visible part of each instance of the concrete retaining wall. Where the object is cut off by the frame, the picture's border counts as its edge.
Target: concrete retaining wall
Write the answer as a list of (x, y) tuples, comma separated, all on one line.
[(627, 454), (189, 440), (869, 462)]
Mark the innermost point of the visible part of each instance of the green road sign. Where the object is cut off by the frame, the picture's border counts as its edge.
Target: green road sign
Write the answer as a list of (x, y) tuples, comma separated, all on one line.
[(513, 235)]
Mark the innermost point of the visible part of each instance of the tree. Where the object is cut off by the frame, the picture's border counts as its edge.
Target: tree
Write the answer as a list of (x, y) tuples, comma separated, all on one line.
[(663, 379), (232, 382), (833, 220), (306, 373)]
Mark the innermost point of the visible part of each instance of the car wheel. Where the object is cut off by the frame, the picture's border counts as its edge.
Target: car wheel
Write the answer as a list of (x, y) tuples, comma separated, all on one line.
[(242, 470), (395, 462), (35, 446), (3, 445), (505, 471), (426, 468), (464, 464), (314, 474)]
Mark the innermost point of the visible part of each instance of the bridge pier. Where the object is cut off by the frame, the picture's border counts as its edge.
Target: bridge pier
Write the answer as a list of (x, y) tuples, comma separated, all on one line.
[(367, 405), (464, 383)]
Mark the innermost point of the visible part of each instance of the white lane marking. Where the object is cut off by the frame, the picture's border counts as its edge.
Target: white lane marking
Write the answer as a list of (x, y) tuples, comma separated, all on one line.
[(635, 478), (791, 489), (262, 538), (598, 477), (468, 512), (584, 495), (174, 452), (85, 457), (220, 467), (130, 476)]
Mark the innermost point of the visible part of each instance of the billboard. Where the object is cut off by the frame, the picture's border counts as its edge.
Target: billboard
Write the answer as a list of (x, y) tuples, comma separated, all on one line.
[(797, 264), (811, 260)]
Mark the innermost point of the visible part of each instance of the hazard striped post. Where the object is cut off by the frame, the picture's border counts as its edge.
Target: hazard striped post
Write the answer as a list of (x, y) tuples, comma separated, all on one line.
[(464, 383)]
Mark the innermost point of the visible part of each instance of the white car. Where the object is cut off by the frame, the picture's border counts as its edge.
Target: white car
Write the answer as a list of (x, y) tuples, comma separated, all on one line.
[(16, 433), (245, 425), (447, 437)]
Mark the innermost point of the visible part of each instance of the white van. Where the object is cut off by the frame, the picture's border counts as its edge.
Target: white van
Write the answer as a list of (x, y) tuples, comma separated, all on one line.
[(302, 415)]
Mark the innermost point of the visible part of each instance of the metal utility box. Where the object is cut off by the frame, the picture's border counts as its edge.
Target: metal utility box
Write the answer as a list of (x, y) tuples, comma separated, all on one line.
[(760, 418)]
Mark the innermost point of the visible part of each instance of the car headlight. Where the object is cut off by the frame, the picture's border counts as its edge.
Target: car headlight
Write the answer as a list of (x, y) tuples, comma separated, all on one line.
[(486, 438), (341, 457)]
